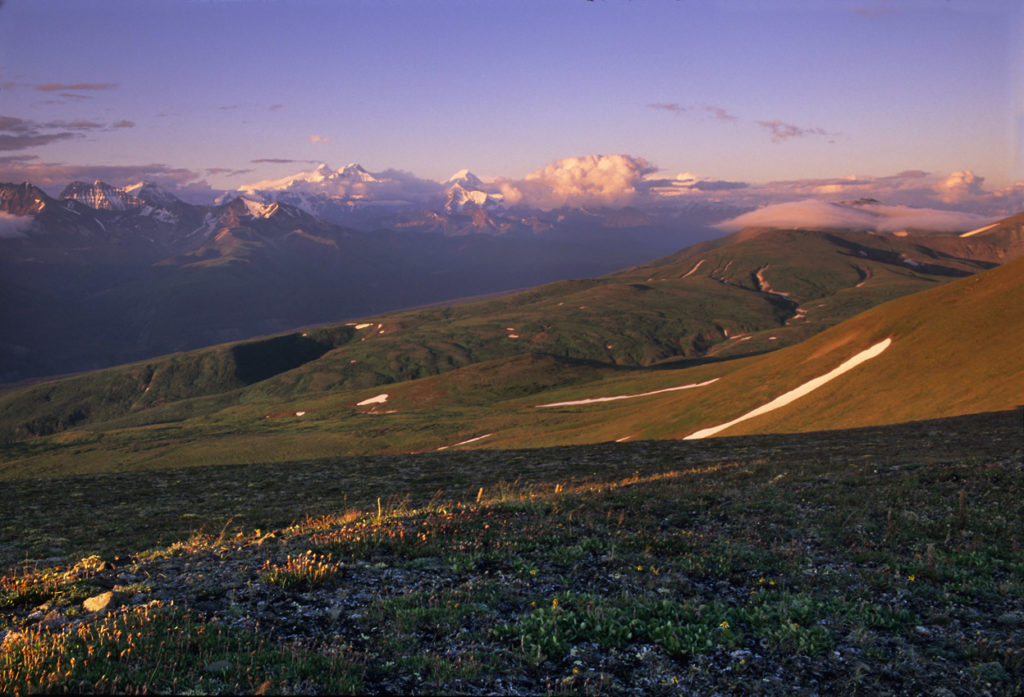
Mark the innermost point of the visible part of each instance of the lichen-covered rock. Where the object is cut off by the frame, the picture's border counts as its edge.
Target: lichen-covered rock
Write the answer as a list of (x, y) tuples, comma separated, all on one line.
[(98, 603)]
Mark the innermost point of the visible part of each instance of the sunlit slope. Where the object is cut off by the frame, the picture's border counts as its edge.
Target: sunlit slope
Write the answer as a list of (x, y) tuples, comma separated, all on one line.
[(955, 350)]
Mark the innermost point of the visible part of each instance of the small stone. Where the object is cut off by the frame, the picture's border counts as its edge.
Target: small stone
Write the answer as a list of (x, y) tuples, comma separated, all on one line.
[(98, 602), (922, 630), (218, 667)]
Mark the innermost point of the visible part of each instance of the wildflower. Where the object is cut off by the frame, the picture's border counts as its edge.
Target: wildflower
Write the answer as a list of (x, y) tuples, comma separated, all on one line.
[(724, 625), (554, 603), (911, 577)]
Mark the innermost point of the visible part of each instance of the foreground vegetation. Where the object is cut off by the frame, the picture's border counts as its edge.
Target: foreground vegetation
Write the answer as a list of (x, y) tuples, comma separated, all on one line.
[(883, 560)]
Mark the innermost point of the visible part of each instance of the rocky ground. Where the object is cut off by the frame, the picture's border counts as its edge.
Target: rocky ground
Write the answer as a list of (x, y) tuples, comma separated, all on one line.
[(877, 561)]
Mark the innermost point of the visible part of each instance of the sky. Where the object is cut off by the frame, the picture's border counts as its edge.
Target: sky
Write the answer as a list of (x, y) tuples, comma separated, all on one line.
[(217, 94)]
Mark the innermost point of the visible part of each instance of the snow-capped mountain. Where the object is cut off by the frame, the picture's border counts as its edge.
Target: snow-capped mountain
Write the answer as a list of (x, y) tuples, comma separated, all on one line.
[(354, 196), (350, 182), (101, 196), (152, 194), (465, 189)]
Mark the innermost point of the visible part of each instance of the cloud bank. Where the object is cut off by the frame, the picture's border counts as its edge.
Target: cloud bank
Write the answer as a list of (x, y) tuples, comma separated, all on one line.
[(590, 180), (20, 134), (872, 216), (12, 226)]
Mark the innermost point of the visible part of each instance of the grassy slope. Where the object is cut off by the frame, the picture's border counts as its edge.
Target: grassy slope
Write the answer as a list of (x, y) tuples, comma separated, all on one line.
[(955, 350), (644, 315)]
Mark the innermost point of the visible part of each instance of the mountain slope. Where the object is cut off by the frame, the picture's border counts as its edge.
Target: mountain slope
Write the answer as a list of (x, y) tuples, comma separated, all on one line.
[(474, 375), (953, 350)]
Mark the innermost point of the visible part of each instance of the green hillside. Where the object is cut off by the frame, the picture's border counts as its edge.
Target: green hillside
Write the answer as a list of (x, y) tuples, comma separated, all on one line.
[(473, 375)]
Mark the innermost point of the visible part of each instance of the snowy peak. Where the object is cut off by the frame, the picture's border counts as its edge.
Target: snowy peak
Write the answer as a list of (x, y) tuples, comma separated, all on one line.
[(151, 194), (241, 207), (355, 172), (466, 179), (465, 189), (101, 196)]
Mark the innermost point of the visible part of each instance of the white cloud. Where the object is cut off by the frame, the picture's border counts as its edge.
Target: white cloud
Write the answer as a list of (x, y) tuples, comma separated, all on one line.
[(319, 139), (602, 180), (816, 214), (13, 225), (53, 177), (959, 186)]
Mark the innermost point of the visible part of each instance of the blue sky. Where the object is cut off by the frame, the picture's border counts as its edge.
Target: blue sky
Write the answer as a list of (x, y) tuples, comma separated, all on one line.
[(741, 90)]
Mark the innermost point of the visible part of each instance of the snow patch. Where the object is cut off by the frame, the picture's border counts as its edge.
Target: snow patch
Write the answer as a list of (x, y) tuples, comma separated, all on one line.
[(379, 399), (978, 231), (694, 269), (594, 400), (465, 442), (797, 393), (259, 210)]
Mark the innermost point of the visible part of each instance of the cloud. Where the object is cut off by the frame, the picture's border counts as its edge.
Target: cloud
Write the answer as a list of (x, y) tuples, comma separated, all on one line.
[(81, 125), (720, 113), (53, 177), (75, 87), (603, 180), (12, 226), (816, 214), (717, 112), (275, 107), (674, 108), (319, 139), (226, 171), (962, 191), (19, 134), (21, 141), (959, 187), (781, 131)]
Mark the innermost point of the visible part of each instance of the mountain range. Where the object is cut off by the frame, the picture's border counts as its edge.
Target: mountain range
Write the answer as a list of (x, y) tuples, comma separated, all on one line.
[(103, 275)]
